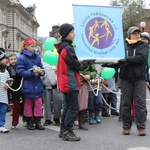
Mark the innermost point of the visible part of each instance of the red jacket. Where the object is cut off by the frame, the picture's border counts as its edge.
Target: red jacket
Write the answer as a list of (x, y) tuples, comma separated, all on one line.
[(68, 77)]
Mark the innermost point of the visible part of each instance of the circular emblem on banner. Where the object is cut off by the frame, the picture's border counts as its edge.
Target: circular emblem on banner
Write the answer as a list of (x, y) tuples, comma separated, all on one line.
[(99, 33)]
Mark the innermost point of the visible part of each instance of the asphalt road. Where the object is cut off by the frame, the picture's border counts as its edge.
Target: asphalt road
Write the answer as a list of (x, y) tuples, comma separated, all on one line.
[(104, 136)]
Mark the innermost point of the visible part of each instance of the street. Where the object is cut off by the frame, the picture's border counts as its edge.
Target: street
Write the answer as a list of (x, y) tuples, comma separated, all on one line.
[(104, 136)]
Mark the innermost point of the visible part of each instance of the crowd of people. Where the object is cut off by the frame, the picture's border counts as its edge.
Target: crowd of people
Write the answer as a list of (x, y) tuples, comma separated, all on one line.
[(73, 92)]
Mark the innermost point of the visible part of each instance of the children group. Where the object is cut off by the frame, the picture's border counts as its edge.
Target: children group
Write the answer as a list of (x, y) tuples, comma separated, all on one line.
[(73, 86)]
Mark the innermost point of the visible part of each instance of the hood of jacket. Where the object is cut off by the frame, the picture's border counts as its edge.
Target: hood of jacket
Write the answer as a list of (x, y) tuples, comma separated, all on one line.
[(62, 45)]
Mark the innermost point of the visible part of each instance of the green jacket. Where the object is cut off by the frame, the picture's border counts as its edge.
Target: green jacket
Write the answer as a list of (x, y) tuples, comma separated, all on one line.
[(90, 70)]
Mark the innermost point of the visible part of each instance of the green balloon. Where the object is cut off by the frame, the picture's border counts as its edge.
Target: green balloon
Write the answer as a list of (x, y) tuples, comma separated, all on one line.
[(50, 57), (108, 73), (49, 43)]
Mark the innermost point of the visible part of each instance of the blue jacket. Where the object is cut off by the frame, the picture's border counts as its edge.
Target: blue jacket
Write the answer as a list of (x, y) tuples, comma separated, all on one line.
[(32, 86)]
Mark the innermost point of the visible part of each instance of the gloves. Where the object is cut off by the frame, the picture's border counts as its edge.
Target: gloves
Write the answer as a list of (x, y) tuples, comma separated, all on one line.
[(121, 61), (89, 61), (104, 64), (111, 65)]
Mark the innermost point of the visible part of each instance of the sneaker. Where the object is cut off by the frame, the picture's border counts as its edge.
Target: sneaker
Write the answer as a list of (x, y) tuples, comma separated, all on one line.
[(141, 132), (47, 122), (13, 127), (70, 136), (24, 124), (4, 130), (126, 131)]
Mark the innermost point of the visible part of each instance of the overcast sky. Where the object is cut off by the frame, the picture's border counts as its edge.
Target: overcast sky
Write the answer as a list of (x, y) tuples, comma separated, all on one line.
[(54, 12)]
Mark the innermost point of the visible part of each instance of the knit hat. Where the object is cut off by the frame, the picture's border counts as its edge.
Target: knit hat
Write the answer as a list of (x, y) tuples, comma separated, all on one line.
[(146, 35), (132, 29), (2, 55), (28, 41), (65, 29)]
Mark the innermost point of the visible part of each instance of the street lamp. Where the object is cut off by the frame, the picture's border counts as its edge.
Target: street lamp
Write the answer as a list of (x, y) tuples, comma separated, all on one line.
[(143, 25)]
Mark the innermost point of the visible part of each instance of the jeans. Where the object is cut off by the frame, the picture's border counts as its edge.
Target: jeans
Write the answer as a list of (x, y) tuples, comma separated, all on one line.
[(70, 109), (3, 110), (113, 101), (94, 102)]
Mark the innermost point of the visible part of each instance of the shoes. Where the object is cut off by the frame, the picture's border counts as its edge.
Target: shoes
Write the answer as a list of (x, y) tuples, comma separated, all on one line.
[(24, 124), (47, 122), (4, 130), (115, 113), (56, 120), (141, 132), (13, 127), (120, 118), (70, 136), (76, 122), (61, 133), (82, 127), (126, 131), (105, 115)]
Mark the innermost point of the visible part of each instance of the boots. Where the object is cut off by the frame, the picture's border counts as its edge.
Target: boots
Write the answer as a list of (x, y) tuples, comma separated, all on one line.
[(91, 118), (97, 117), (81, 118), (38, 124), (30, 125)]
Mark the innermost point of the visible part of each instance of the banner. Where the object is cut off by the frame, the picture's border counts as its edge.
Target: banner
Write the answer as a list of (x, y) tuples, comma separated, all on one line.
[(99, 32)]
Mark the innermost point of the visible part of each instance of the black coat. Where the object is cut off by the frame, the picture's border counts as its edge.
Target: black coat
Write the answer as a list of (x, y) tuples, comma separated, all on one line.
[(16, 83), (134, 68)]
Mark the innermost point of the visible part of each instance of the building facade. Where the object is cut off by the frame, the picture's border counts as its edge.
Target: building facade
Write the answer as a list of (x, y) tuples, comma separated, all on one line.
[(16, 23)]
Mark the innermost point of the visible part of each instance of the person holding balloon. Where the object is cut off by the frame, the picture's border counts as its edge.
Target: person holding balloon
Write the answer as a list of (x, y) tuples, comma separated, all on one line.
[(68, 79), (133, 81)]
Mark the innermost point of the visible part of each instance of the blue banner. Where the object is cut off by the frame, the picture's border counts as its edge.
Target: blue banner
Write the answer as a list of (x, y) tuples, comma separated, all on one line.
[(99, 32)]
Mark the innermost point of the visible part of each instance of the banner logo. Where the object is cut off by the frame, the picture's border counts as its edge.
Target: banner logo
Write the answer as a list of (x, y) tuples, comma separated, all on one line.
[(99, 33)]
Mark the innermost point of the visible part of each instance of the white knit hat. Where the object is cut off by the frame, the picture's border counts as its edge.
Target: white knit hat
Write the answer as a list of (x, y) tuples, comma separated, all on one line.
[(146, 35)]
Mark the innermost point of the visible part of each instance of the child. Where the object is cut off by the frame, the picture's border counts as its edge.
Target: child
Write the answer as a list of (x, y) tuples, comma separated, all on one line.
[(4, 76), (86, 75), (15, 96), (29, 67), (68, 78), (95, 100)]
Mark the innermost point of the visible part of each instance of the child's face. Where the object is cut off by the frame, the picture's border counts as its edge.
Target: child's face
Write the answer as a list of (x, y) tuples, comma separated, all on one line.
[(135, 35), (71, 36), (13, 60), (31, 47), (145, 40)]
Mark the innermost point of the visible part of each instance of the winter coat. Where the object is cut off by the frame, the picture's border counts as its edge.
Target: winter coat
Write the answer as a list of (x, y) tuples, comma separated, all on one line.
[(16, 82), (32, 86), (68, 68), (134, 68), (49, 79)]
